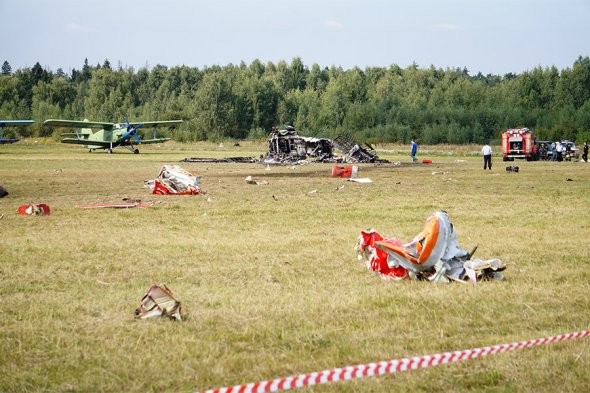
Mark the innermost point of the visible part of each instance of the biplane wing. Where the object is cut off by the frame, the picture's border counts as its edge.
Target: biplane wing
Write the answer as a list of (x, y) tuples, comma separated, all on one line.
[(12, 123), (155, 140), (171, 124), (96, 144), (164, 123), (78, 124)]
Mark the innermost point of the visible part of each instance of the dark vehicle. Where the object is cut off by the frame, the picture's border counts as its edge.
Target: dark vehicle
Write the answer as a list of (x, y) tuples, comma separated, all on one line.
[(545, 150)]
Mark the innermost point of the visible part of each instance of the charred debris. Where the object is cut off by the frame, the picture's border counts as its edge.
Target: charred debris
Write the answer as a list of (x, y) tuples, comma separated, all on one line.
[(287, 147)]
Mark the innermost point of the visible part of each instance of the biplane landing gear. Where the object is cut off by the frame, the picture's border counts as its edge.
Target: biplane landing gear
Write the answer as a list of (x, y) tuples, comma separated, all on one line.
[(109, 151), (135, 151)]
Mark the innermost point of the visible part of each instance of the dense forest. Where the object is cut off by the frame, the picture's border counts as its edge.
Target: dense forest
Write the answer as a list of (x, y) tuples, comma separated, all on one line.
[(377, 104)]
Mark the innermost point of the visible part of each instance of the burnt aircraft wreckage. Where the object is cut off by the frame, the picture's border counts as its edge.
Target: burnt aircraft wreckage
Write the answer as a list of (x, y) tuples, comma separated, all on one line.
[(287, 147)]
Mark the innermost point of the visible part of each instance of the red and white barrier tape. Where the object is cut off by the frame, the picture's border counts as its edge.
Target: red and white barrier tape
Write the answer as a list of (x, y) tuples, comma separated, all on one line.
[(388, 367)]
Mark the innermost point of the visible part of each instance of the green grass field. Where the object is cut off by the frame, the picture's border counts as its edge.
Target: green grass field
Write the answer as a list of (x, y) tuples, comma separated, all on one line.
[(269, 277)]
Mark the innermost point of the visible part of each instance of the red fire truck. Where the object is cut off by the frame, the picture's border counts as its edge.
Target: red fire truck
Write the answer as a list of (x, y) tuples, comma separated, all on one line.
[(519, 143)]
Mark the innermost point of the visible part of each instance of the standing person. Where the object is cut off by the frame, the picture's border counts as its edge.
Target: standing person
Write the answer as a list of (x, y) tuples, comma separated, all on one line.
[(559, 151), (413, 151), (585, 152), (487, 157)]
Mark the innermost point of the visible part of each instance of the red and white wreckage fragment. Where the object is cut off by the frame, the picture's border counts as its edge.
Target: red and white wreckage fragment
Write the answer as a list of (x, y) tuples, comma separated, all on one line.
[(174, 180), (434, 255), (39, 209)]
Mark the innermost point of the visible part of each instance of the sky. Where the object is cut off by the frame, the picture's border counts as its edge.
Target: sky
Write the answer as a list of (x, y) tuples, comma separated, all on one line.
[(488, 36)]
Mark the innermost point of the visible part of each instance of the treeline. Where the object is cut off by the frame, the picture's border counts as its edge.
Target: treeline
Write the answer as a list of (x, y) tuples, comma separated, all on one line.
[(377, 104)]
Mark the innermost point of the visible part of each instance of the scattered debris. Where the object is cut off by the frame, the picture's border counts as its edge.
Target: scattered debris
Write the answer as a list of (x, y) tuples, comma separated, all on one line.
[(158, 302), (127, 199), (439, 173), (361, 180), (512, 169), (251, 180), (227, 159), (426, 161), (350, 171), (353, 152), (33, 209), (3, 192), (174, 180), (312, 192), (433, 255)]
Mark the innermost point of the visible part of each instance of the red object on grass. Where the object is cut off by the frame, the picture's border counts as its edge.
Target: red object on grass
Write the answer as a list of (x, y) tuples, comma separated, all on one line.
[(377, 260), (40, 209)]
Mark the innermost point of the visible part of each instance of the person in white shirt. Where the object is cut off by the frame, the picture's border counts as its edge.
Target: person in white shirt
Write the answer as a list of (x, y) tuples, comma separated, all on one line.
[(559, 150), (487, 157)]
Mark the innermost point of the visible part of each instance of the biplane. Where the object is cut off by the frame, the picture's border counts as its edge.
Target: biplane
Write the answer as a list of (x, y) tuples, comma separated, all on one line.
[(12, 123), (95, 135)]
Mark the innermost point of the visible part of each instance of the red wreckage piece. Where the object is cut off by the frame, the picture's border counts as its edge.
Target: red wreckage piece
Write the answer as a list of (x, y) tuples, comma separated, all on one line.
[(174, 180), (40, 209), (434, 255), (376, 259)]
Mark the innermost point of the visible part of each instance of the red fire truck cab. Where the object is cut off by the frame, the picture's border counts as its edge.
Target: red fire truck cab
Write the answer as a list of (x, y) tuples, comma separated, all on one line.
[(519, 143)]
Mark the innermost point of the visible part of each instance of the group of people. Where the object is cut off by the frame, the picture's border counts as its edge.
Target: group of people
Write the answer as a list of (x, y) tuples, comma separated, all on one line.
[(555, 151), (486, 152)]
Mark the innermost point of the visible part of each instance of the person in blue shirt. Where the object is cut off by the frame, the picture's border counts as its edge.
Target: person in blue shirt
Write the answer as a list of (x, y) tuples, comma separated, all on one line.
[(413, 151)]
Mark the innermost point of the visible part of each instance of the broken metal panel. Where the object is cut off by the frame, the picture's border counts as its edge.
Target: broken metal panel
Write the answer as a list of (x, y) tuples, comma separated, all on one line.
[(353, 152), (159, 302)]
